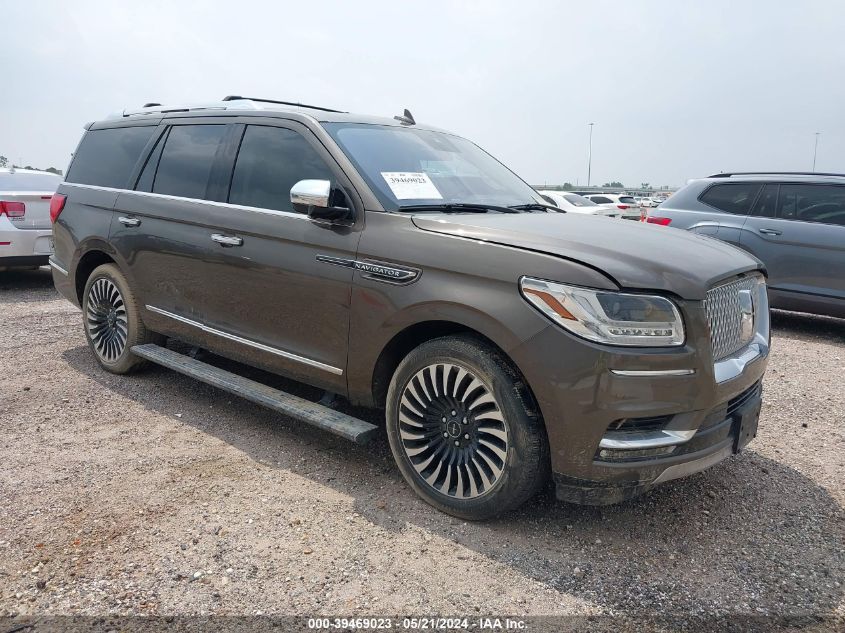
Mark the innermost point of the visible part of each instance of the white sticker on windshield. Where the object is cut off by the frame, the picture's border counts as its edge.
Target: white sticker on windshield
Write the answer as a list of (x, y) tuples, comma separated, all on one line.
[(407, 185)]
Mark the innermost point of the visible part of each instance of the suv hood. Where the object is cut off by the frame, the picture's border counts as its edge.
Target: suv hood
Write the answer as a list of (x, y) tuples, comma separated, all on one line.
[(633, 254)]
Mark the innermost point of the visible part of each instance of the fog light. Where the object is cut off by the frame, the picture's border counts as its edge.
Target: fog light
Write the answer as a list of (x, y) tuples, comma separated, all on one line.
[(662, 451)]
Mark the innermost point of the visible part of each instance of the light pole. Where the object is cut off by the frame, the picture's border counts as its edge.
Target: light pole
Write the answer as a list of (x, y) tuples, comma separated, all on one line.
[(590, 154), (815, 150)]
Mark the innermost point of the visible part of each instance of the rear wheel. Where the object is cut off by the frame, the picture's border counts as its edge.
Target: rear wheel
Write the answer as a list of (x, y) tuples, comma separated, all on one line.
[(113, 321), (463, 429)]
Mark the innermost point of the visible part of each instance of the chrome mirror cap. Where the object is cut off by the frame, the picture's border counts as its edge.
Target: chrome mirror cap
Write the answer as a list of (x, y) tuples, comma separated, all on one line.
[(310, 193)]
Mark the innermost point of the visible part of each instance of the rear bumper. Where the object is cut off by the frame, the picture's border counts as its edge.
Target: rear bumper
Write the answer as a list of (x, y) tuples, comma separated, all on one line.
[(23, 243)]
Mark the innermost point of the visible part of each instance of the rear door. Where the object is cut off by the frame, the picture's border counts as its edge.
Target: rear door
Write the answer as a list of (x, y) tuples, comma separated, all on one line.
[(731, 203), (161, 229), (798, 231)]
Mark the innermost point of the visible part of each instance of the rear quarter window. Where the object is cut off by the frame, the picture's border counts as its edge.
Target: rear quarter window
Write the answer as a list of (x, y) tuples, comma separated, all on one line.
[(735, 198), (105, 158)]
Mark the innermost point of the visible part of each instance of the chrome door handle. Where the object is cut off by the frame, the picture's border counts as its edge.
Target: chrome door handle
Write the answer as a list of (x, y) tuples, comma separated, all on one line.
[(226, 240), (769, 232), (129, 221)]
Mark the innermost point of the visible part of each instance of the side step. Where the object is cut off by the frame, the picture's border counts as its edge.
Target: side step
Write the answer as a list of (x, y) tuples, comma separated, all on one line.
[(301, 409)]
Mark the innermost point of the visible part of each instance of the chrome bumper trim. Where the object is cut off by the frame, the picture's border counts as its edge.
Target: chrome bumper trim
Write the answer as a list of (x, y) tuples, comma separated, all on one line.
[(650, 373), (56, 267), (695, 466), (654, 439), (232, 337)]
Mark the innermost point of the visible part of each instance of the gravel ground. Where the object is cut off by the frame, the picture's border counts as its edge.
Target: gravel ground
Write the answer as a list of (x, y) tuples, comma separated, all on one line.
[(156, 494)]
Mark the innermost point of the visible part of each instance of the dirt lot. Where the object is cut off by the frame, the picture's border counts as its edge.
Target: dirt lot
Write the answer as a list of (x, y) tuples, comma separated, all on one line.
[(158, 495)]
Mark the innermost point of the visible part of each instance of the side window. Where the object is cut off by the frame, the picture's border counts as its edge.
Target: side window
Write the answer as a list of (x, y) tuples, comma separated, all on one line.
[(600, 199), (145, 182), (765, 205), (270, 161), (105, 158), (731, 198), (187, 159), (812, 203)]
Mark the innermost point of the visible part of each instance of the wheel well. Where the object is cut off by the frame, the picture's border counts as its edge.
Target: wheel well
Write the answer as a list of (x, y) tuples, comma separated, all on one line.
[(85, 267), (414, 336)]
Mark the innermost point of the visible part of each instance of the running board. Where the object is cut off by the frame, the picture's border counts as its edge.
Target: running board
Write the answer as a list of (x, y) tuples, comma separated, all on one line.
[(298, 408)]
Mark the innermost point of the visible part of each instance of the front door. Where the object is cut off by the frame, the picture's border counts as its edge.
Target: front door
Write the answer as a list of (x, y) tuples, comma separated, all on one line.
[(272, 291)]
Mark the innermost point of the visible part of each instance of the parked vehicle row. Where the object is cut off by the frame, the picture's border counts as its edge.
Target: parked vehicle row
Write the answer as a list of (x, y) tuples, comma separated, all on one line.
[(403, 268)]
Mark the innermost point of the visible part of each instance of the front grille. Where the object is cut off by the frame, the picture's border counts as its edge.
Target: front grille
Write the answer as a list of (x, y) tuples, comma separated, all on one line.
[(724, 316)]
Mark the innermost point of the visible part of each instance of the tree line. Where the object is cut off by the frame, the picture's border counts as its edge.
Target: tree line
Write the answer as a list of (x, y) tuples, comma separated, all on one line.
[(4, 162)]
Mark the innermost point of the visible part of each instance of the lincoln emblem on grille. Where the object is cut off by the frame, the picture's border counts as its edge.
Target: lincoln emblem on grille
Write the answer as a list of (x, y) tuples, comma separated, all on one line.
[(746, 307)]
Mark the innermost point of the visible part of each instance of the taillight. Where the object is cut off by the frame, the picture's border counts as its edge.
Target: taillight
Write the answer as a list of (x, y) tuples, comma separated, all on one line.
[(652, 219), (622, 206), (57, 203), (12, 209)]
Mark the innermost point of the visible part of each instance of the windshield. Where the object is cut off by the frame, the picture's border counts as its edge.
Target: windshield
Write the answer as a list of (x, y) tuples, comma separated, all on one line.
[(579, 201), (409, 167), (23, 181)]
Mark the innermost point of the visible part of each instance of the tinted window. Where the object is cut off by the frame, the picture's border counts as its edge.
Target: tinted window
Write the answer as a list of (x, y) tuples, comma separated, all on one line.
[(106, 157), (765, 205), (731, 198), (601, 199), (812, 203), (627, 200), (18, 181), (187, 159), (270, 161)]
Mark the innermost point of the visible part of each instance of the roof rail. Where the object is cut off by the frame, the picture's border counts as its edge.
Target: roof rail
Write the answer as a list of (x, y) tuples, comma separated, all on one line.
[(290, 103), (217, 105), (772, 173)]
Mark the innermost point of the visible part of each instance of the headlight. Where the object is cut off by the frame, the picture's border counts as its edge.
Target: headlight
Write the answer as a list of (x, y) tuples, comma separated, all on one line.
[(607, 317)]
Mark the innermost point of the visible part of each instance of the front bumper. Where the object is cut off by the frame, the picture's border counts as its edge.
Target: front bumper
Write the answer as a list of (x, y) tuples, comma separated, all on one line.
[(693, 410), (26, 246)]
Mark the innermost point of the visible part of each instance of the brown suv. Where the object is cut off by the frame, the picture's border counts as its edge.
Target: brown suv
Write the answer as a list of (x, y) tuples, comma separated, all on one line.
[(405, 269)]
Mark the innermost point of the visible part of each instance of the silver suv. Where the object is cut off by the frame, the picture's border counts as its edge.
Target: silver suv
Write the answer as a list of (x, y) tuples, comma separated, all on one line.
[(793, 222)]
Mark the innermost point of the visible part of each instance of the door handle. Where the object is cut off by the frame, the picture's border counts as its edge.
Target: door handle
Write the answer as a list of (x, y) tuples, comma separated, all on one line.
[(226, 240), (129, 221), (769, 232)]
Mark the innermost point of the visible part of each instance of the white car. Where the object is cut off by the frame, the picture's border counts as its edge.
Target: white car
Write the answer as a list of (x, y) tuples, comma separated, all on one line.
[(573, 203), (647, 201), (629, 208), (26, 233)]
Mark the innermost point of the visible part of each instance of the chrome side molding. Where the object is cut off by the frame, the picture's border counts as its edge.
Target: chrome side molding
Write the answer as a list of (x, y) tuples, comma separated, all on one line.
[(238, 339)]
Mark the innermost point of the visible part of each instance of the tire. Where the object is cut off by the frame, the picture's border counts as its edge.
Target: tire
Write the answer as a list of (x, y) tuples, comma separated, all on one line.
[(464, 430), (112, 321)]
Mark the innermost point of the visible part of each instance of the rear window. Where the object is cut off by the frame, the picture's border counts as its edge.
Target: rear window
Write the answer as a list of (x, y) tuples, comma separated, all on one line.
[(28, 182), (731, 198), (627, 200), (601, 199), (106, 157)]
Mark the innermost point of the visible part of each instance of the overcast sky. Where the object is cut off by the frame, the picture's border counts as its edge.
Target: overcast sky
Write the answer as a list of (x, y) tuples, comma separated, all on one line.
[(676, 89)]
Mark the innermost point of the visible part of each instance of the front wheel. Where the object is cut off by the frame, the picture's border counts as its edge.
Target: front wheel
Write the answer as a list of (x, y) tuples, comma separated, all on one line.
[(112, 320), (464, 430)]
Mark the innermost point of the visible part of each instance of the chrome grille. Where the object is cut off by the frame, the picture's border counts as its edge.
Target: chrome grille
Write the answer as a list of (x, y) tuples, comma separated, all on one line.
[(724, 316)]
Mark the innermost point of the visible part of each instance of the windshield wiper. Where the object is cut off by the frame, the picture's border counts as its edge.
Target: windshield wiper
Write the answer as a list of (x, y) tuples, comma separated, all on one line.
[(537, 206), (459, 207)]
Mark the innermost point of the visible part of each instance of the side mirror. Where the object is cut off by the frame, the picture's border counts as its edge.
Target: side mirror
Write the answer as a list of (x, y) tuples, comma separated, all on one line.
[(312, 197)]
